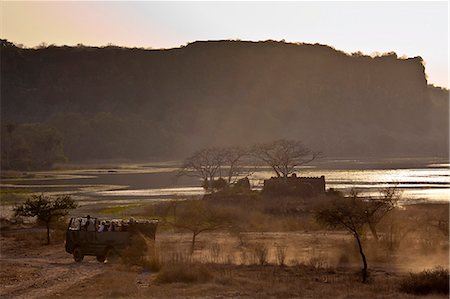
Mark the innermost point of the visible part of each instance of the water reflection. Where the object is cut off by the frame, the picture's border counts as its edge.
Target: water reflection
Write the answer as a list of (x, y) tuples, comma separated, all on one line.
[(425, 180)]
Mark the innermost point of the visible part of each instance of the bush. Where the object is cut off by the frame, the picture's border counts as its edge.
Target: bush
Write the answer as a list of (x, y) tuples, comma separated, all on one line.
[(219, 184), (281, 255), (153, 261), (184, 272), (426, 282), (135, 253), (260, 253)]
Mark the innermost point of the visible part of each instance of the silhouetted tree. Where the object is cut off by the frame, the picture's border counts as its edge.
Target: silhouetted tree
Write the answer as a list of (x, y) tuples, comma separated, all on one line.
[(204, 164), (46, 209), (284, 155), (233, 158), (352, 214), (197, 217), (347, 213), (377, 208)]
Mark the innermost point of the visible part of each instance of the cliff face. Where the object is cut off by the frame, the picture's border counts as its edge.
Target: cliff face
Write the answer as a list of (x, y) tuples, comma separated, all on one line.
[(133, 103)]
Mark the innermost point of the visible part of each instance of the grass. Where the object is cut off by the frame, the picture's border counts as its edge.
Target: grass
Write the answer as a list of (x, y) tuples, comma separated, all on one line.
[(197, 280), (13, 196), (14, 191), (274, 250), (169, 271), (248, 214)]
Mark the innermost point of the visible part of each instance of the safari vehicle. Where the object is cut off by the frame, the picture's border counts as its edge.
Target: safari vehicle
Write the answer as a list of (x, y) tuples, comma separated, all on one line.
[(104, 239)]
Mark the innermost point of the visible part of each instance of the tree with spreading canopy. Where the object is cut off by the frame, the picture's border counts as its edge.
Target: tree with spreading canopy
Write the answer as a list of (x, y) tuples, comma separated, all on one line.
[(46, 209), (210, 164), (353, 213), (284, 155), (377, 208), (233, 158), (204, 164), (197, 217)]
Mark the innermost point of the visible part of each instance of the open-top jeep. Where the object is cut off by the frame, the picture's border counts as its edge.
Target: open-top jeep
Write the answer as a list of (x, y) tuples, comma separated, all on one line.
[(104, 239)]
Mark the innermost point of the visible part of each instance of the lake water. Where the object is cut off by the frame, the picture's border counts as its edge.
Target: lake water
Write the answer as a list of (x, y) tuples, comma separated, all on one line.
[(418, 179)]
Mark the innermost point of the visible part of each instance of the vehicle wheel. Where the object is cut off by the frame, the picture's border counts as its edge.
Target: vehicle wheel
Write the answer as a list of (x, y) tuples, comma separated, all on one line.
[(77, 255), (111, 255), (101, 258)]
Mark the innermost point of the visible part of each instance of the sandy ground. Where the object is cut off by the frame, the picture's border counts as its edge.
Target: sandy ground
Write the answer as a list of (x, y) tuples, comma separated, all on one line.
[(36, 271)]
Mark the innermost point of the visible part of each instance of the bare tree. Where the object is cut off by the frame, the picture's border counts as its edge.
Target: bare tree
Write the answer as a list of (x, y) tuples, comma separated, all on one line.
[(377, 208), (233, 158), (353, 213), (204, 164), (197, 217), (347, 213), (46, 209), (284, 155), (215, 162)]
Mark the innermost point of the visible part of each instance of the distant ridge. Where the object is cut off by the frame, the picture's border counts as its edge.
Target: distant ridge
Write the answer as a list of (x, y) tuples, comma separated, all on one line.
[(130, 103)]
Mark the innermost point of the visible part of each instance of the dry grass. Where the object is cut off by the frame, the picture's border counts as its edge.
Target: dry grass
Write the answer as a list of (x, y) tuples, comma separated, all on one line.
[(168, 270), (260, 253), (276, 252), (136, 252), (231, 281), (281, 255), (426, 282)]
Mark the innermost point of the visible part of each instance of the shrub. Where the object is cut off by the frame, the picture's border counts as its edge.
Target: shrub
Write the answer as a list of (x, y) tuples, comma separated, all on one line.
[(219, 184), (134, 254), (153, 261), (215, 253), (317, 262), (281, 255), (260, 253), (426, 282)]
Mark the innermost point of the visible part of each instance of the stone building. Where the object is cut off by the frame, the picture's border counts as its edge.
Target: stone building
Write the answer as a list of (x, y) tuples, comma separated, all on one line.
[(294, 186)]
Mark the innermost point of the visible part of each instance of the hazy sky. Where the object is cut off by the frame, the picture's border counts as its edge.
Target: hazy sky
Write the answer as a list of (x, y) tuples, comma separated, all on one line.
[(408, 28)]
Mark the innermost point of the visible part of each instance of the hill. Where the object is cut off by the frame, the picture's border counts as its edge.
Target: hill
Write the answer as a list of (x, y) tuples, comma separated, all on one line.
[(128, 103)]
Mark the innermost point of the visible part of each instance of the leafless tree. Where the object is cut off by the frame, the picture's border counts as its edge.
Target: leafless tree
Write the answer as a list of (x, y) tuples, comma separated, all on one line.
[(197, 217), (204, 164), (347, 213), (233, 163), (211, 163), (284, 155), (353, 214), (378, 207)]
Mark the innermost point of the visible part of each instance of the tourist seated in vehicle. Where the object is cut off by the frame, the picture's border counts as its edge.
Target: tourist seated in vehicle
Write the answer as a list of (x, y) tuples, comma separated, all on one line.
[(75, 224), (89, 225), (123, 226), (111, 227), (101, 227)]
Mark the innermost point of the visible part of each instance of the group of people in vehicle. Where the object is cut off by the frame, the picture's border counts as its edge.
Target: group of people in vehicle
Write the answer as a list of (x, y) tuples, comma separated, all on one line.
[(104, 226)]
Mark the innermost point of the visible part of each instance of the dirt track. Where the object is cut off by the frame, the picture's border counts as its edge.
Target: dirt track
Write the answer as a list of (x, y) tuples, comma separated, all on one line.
[(40, 271)]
